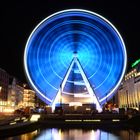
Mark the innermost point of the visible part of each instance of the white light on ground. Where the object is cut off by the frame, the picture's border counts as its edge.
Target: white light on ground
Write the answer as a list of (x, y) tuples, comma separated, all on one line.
[(34, 118), (115, 120)]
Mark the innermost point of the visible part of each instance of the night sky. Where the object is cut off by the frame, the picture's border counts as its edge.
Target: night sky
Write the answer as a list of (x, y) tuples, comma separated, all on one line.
[(19, 18)]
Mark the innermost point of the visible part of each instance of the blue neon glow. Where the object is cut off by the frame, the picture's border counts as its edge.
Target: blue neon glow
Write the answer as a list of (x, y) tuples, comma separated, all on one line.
[(50, 47)]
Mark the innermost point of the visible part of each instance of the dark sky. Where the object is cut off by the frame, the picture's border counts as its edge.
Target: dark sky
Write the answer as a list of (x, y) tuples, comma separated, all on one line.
[(19, 18)]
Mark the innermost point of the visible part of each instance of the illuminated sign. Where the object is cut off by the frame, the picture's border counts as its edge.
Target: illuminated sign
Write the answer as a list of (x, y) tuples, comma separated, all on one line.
[(135, 63)]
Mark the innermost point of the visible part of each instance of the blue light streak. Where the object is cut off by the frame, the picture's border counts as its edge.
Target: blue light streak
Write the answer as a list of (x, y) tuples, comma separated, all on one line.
[(50, 47)]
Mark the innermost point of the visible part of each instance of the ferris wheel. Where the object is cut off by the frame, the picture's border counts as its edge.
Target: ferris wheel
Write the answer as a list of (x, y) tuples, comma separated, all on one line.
[(75, 37)]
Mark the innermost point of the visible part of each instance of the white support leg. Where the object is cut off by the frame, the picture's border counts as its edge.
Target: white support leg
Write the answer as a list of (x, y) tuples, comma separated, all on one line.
[(58, 95), (90, 90)]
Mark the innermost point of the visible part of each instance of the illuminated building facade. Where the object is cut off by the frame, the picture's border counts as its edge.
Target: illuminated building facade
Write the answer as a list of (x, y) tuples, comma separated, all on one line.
[(19, 96), (15, 93), (28, 98), (129, 91)]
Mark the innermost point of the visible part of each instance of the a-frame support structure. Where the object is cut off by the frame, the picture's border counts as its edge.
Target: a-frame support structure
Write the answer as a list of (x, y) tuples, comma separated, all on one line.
[(87, 84)]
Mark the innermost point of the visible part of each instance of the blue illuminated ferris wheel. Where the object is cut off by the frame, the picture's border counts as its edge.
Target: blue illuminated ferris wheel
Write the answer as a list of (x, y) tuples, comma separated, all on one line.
[(69, 38)]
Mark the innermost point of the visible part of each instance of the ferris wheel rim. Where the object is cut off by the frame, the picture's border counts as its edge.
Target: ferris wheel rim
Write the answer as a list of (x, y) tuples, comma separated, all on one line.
[(77, 10)]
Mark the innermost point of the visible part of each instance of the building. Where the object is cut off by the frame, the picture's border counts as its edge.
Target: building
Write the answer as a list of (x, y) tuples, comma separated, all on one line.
[(129, 90), (4, 81), (19, 95), (15, 93), (28, 98)]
